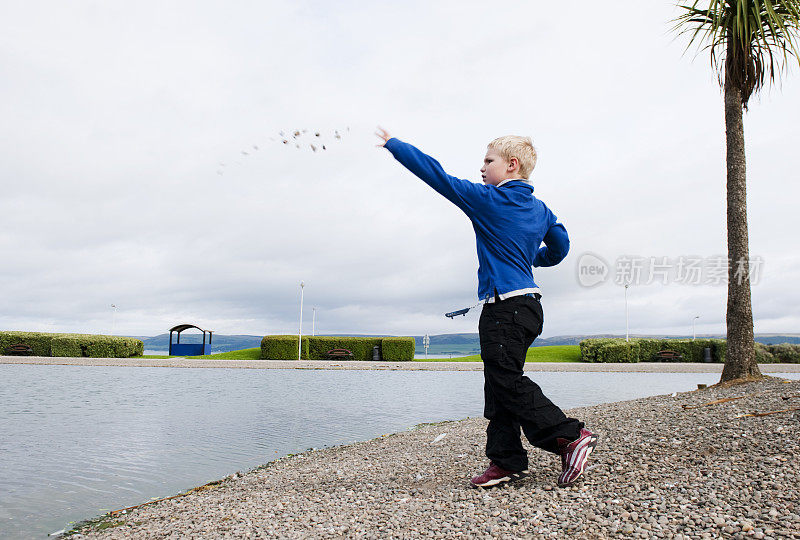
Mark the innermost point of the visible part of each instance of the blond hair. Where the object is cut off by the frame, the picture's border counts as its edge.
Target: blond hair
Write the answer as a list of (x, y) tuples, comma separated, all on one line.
[(514, 146)]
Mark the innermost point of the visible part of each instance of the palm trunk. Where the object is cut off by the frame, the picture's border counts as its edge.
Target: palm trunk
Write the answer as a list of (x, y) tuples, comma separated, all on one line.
[(740, 358)]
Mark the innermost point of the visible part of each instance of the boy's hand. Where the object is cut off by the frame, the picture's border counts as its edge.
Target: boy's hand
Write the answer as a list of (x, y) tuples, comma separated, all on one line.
[(382, 134)]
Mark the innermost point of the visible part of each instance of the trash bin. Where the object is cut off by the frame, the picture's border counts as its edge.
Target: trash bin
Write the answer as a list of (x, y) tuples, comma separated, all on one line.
[(707, 355), (376, 353)]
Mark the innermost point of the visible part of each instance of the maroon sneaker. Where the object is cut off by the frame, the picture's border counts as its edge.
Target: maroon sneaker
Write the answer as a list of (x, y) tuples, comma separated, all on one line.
[(574, 456), (495, 475)]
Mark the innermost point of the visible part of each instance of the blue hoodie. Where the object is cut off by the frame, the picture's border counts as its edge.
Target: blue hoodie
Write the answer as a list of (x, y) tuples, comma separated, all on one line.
[(510, 224)]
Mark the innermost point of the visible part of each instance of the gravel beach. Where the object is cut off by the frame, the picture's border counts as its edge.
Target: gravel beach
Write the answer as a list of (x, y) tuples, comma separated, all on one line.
[(675, 466)]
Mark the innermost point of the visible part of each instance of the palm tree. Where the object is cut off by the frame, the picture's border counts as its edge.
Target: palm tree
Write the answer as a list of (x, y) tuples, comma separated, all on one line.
[(750, 43)]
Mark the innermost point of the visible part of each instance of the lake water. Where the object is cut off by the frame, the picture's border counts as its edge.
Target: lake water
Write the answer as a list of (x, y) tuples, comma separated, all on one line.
[(76, 441)]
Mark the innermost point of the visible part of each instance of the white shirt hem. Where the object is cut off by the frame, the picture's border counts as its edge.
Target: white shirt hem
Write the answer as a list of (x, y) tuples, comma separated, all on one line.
[(510, 294)]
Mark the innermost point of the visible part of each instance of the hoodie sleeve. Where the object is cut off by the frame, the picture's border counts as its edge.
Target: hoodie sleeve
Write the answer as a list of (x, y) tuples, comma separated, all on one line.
[(556, 246), (462, 193)]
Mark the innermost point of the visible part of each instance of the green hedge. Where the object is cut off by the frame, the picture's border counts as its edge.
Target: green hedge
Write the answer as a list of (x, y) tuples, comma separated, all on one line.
[(645, 349), (96, 346), (315, 347), (763, 356), (397, 349), (282, 347), (785, 353), (622, 351), (611, 350), (361, 347), (75, 345), (589, 349), (38, 341)]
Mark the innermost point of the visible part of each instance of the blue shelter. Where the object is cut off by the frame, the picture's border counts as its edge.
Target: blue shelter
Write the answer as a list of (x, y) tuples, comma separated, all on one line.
[(188, 349)]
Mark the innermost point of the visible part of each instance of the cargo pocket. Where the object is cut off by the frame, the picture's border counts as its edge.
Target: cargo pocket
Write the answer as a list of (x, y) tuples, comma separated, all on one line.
[(531, 318), (491, 337)]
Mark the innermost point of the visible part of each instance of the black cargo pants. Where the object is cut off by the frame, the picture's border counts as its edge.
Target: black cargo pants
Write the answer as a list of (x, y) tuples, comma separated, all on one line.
[(507, 328)]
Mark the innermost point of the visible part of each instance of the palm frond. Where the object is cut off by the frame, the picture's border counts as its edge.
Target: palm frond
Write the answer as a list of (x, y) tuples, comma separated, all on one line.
[(750, 41)]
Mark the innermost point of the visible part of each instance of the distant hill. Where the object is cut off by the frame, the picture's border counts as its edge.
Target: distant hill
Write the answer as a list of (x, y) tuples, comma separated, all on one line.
[(460, 344)]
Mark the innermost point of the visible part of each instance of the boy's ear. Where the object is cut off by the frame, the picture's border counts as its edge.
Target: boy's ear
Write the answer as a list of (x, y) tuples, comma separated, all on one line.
[(513, 163)]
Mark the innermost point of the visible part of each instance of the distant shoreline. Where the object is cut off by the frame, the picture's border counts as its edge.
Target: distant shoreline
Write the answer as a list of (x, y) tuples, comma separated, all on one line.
[(179, 362)]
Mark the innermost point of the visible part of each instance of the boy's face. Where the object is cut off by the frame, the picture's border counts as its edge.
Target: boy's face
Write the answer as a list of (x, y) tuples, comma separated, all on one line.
[(496, 169)]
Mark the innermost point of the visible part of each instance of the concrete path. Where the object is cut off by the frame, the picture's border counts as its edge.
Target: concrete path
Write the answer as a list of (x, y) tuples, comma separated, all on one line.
[(649, 367)]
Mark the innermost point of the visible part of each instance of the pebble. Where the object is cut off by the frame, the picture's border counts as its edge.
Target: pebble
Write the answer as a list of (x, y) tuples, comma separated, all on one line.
[(663, 471)]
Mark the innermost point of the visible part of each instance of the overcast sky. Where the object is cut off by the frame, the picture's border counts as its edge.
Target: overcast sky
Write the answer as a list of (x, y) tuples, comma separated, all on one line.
[(118, 116)]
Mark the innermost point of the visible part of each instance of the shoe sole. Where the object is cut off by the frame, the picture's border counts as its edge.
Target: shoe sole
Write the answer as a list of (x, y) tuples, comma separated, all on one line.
[(497, 481), (582, 454)]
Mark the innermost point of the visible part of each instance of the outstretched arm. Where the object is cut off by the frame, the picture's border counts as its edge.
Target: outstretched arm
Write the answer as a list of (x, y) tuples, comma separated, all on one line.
[(462, 193), (556, 246)]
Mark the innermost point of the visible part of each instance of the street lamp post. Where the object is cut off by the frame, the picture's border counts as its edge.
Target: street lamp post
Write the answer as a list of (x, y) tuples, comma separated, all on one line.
[(113, 319), (626, 311), (693, 332), (300, 332), (314, 321)]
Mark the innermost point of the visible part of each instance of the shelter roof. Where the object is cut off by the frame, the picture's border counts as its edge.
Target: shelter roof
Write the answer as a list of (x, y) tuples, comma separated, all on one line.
[(182, 327)]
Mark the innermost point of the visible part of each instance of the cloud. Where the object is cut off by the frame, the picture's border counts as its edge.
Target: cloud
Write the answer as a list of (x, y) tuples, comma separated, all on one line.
[(118, 118)]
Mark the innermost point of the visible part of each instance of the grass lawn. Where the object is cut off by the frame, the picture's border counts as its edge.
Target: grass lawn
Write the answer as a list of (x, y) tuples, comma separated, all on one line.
[(552, 353), (242, 354)]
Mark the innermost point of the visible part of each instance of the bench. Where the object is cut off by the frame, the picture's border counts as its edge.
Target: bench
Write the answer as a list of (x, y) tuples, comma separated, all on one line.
[(668, 356), (338, 354), (19, 349)]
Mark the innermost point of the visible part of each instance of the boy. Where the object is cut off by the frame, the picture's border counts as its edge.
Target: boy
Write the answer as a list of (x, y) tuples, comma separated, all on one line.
[(510, 225)]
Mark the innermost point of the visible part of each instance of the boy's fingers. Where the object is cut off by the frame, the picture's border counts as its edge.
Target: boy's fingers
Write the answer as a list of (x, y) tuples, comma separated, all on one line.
[(380, 144), (383, 135)]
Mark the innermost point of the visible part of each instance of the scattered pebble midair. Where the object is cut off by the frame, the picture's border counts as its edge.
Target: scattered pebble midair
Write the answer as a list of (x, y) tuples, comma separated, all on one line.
[(296, 135)]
